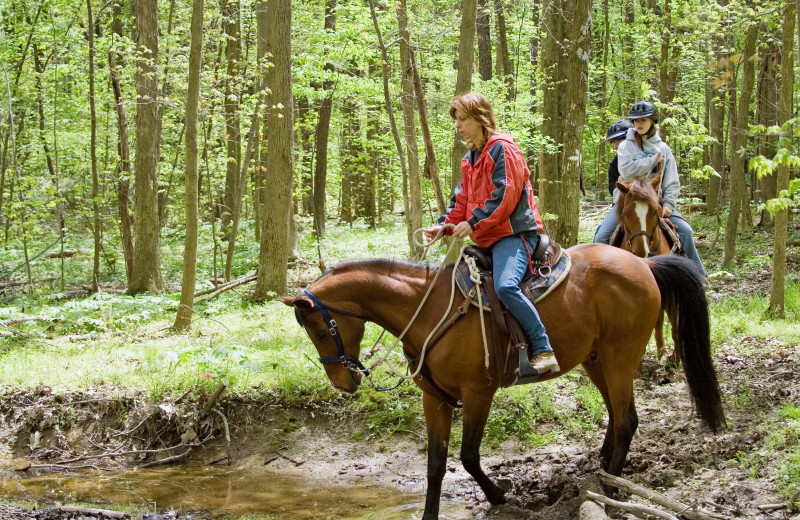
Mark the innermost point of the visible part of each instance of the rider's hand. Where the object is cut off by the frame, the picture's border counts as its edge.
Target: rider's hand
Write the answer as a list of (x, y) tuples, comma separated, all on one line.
[(431, 232), (659, 158), (462, 230), (666, 211)]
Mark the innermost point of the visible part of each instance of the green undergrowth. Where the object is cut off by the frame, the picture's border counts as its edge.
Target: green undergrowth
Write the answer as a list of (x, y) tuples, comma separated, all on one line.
[(123, 345), (786, 439)]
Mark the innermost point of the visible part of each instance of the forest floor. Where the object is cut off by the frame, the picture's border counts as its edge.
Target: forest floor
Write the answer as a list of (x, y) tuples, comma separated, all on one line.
[(729, 474)]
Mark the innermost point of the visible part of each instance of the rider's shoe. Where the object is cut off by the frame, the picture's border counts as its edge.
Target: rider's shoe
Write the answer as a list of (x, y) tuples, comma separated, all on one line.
[(545, 363)]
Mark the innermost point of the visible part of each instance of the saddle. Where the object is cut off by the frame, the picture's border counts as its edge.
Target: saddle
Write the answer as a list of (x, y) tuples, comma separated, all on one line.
[(550, 263), (668, 229)]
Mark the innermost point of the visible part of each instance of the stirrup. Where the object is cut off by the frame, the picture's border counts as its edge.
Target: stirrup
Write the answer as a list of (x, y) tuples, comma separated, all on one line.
[(525, 373)]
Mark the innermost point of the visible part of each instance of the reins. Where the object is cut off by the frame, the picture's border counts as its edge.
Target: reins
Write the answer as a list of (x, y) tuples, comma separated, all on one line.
[(353, 363)]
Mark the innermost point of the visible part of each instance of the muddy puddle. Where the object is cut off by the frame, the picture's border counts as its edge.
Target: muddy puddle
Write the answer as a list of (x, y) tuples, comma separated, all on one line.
[(214, 492)]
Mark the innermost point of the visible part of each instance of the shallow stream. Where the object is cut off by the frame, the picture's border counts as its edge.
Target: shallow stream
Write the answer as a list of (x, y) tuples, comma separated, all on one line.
[(215, 492)]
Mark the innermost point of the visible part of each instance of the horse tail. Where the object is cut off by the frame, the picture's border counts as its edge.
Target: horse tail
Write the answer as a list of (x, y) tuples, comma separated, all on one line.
[(683, 298)]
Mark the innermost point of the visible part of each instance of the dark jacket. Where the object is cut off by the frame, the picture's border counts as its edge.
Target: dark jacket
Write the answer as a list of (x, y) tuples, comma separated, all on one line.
[(613, 175)]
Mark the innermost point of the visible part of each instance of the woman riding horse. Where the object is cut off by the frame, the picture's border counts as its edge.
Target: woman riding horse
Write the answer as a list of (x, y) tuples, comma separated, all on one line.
[(601, 317), (495, 207)]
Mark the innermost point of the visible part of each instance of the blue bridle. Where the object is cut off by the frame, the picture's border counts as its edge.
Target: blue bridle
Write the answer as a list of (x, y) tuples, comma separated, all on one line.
[(333, 328)]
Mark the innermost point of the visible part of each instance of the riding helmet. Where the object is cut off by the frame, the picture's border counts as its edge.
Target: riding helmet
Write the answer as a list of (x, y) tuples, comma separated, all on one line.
[(643, 109), (618, 130)]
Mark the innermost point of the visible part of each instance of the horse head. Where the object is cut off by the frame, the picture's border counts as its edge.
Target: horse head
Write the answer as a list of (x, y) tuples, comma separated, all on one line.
[(639, 213), (336, 334)]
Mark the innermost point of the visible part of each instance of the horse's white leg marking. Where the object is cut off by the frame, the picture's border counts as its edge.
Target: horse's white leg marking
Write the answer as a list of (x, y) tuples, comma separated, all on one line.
[(641, 211)]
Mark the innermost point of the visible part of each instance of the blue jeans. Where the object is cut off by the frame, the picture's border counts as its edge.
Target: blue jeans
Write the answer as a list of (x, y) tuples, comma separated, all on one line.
[(510, 260), (603, 235)]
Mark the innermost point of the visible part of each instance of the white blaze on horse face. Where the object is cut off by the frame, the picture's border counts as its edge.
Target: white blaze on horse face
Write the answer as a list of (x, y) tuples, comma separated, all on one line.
[(641, 211)]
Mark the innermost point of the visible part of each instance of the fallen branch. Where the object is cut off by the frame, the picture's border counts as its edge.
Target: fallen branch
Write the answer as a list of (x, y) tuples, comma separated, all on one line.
[(295, 462), (17, 283), (213, 399), (22, 319), (662, 500), (173, 458), (63, 463), (204, 296), (92, 511), (227, 435), (636, 509)]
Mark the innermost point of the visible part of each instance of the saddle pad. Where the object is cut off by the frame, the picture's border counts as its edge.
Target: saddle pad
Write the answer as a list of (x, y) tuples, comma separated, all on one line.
[(539, 286)]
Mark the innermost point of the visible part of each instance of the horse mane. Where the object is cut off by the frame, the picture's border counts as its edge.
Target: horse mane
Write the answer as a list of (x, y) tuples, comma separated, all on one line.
[(399, 269)]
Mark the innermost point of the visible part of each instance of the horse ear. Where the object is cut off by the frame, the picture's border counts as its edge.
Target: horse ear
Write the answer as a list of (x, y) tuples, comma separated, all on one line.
[(621, 186), (299, 302), (656, 182)]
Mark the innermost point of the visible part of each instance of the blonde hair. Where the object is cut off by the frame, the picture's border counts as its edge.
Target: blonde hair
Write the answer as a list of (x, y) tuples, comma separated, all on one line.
[(477, 107)]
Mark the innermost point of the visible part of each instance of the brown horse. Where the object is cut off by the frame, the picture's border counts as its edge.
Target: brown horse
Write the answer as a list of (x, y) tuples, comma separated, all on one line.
[(600, 317), (639, 213)]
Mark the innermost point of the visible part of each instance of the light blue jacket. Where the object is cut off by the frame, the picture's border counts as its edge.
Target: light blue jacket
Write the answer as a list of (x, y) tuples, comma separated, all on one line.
[(637, 163)]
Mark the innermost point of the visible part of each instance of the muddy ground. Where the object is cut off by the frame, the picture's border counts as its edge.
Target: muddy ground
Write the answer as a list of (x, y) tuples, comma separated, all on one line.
[(729, 474)]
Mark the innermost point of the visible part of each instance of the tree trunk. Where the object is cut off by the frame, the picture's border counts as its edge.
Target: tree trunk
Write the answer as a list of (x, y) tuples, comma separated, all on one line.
[(183, 320), (97, 228), (602, 169), (531, 158), (739, 140), (146, 274), (350, 123), (409, 101), (231, 25), (123, 185), (275, 240), (259, 180), (321, 133), (564, 101), (466, 55), (716, 116), (767, 115), (484, 40), (387, 95), (431, 170), (777, 288), (39, 67), (628, 58), (503, 65)]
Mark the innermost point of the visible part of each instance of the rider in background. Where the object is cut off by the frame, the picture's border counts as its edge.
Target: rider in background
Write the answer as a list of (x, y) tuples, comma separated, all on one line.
[(639, 156), (616, 134), (495, 207)]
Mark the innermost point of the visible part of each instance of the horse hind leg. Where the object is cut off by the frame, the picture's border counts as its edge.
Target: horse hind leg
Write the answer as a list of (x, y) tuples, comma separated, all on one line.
[(661, 349), (476, 412)]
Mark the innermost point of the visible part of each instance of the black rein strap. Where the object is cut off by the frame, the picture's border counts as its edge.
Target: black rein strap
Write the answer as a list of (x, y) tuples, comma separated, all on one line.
[(333, 328)]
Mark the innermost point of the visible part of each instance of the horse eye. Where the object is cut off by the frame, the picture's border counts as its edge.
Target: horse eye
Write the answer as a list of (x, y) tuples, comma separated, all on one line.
[(321, 335)]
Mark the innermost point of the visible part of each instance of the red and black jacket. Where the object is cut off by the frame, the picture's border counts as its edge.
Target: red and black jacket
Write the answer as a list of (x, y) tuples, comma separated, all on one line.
[(495, 194)]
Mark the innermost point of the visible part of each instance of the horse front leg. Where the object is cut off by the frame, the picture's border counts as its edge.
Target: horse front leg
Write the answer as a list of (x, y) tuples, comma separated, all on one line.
[(438, 422), (476, 412)]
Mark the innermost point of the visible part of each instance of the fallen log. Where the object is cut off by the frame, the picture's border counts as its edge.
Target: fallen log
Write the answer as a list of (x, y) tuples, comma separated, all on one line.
[(93, 512), (206, 295), (635, 509), (675, 506)]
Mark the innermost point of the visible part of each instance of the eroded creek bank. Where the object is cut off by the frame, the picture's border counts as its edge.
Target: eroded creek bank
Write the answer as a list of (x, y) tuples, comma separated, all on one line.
[(288, 463)]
